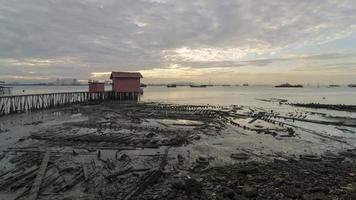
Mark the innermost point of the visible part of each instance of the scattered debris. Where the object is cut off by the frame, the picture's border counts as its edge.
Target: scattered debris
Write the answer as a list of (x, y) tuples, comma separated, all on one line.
[(240, 156), (39, 177), (339, 107), (310, 157), (145, 151)]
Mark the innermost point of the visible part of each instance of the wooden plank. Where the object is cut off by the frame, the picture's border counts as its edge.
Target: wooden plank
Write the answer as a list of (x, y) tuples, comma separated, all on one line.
[(85, 171), (40, 175), (150, 179)]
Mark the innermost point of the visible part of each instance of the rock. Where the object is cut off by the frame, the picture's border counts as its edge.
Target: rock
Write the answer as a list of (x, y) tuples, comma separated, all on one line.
[(240, 197), (196, 137), (193, 186), (189, 185), (352, 174), (199, 168), (310, 157), (240, 156), (278, 181), (177, 141), (318, 189), (349, 153), (293, 192), (202, 160), (180, 158), (228, 193), (123, 157), (150, 135), (280, 159), (333, 157), (178, 185), (247, 170), (220, 178), (249, 191), (315, 196), (351, 195), (279, 196)]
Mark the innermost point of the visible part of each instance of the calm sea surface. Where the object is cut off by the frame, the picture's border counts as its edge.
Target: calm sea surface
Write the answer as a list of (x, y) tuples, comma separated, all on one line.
[(219, 95)]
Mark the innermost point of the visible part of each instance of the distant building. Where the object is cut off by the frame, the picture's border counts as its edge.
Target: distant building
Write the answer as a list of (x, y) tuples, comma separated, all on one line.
[(67, 81), (126, 81), (96, 86)]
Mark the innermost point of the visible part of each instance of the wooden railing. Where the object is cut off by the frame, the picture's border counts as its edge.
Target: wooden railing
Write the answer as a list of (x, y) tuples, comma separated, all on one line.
[(30, 102)]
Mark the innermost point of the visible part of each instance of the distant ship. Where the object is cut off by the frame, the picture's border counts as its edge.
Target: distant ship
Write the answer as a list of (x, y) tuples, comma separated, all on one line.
[(287, 85), (352, 85), (171, 85), (331, 86), (245, 84), (198, 86)]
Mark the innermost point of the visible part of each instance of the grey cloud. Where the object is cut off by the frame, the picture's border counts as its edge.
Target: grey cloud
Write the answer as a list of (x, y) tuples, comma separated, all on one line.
[(344, 67), (271, 61), (131, 35)]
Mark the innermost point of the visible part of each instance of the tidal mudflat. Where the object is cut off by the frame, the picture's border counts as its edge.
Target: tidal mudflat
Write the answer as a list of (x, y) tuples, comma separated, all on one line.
[(148, 150)]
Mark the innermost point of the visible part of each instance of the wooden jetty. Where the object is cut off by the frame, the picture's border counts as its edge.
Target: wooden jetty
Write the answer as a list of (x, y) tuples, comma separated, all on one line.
[(31, 102), (4, 89)]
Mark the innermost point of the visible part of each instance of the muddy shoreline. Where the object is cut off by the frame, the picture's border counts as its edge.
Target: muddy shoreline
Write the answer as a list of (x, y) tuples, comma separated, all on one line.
[(290, 179), (166, 151), (339, 107)]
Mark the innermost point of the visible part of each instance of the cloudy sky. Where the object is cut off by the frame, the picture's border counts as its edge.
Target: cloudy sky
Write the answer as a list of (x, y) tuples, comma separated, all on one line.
[(229, 41)]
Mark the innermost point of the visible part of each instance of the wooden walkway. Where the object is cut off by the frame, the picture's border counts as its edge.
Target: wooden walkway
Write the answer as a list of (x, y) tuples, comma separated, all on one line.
[(31, 102)]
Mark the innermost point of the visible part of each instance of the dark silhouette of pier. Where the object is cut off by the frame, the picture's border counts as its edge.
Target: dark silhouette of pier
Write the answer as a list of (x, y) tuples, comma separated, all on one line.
[(31, 102)]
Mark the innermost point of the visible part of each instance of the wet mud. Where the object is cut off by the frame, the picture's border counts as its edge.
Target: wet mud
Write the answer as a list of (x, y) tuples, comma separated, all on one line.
[(163, 151)]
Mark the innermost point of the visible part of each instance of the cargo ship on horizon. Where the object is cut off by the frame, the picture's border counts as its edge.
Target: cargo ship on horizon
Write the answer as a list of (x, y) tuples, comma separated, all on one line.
[(198, 86), (171, 85), (287, 85)]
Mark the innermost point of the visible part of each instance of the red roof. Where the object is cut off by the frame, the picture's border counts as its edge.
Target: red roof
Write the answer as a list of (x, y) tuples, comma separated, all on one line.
[(125, 75)]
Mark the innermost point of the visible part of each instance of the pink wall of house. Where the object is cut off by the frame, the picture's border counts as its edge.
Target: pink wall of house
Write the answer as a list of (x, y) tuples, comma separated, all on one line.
[(96, 87), (126, 84)]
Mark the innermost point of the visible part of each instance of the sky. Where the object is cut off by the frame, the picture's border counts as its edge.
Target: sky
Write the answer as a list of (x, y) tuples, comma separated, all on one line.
[(201, 41)]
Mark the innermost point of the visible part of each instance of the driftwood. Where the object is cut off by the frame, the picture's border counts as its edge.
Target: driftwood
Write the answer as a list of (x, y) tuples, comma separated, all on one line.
[(118, 173), (339, 107), (125, 171), (76, 179), (317, 134), (85, 171), (41, 173), (254, 119), (153, 176), (319, 121), (13, 179)]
